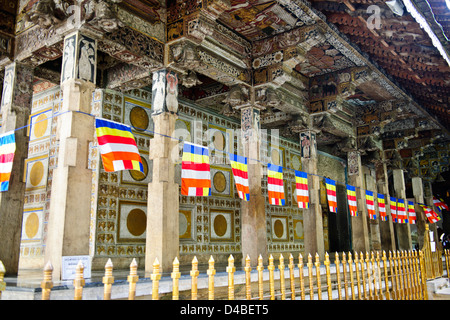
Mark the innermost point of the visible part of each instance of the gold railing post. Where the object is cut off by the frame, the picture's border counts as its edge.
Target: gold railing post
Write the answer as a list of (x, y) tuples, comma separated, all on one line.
[(338, 274), (260, 269), (416, 266), (194, 274), (419, 276), (393, 272), (344, 270), (132, 280), (310, 277), (319, 285), (108, 280), (300, 274), (386, 279), (2, 277), (379, 276), (282, 280), (402, 271), (408, 275), (155, 277), (328, 275), (369, 279), (46, 284), (358, 277), (248, 284), (352, 283), (271, 269), (372, 263), (424, 276), (230, 270), (397, 277), (211, 272), (291, 267), (79, 282), (175, 275), (413, 276)]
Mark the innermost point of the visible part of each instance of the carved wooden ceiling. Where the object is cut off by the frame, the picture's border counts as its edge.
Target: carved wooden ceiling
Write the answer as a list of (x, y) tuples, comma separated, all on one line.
[(400, 46)]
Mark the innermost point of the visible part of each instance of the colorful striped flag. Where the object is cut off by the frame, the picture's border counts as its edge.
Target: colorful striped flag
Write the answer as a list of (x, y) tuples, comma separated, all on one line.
[(394, 209), (351, 198), (301, 189), (7, 150), (401, 211), (240, 173), (430, 214), (331, 194), (370, 205), (117, 146), (275, 184), (382, 207), (411, 213), (440, 204), (195, 171)]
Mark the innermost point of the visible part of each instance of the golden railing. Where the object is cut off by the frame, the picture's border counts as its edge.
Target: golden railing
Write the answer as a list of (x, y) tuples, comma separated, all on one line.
[(398, 275)]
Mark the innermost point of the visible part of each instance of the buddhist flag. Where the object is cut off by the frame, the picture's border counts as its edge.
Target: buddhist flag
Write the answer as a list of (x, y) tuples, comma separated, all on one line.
[(382, 207), (411, 213), (7, 150), (240, 173), (430, 214), (401, 211), (394, 208), (301, 189), (331, 194), (440, 204), (117, 146), (370, 205), (275, 185), (351, 198), (195, 172)]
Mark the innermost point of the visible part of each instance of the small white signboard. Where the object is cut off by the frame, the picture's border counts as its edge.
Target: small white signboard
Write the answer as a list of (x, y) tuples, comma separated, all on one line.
[(69, 267)]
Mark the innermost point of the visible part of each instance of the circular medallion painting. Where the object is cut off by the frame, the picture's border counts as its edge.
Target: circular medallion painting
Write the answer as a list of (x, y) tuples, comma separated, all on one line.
[(32, 225), (278, 228), (139, 118), (220, 225), (40, 126), (219, 181), (136, 222), (36, 173)]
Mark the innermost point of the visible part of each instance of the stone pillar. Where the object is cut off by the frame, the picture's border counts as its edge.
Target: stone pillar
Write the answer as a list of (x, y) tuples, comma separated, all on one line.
[(162, 240), (421, 219), (360, 232), (374, 225), (387, 234), (253, 216), (15, 108), (403, 229), (428, 195), (69, 220), (312, 217)]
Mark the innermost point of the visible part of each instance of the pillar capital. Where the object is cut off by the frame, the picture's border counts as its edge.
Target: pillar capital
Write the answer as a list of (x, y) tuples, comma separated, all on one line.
[(164, 92)]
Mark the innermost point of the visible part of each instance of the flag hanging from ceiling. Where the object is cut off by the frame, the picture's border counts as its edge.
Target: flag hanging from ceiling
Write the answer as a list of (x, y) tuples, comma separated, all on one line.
[(117, 146), (430, 214), (393, 209), (411, 213), (382, 207), (351, 198), (301, 189), (440, 204), (401, 211), (7, 150), (331, 194), (240, 173), (370, 205), (275, 184), (195, 171)]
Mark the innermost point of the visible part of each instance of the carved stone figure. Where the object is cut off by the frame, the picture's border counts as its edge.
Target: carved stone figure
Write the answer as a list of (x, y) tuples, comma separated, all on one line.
[(86, 61), (158, 91), (172, 91)]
